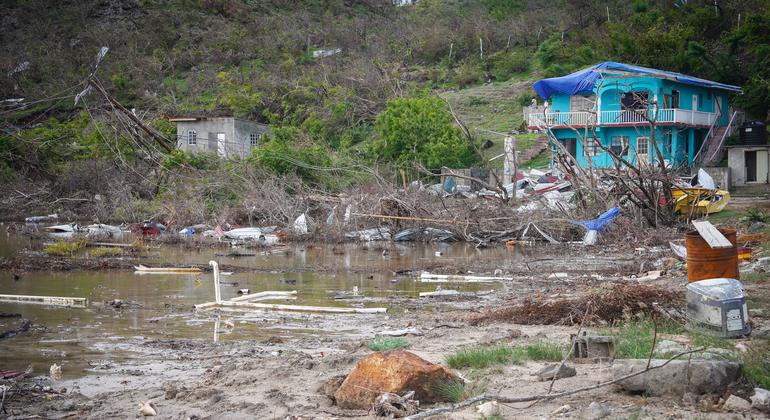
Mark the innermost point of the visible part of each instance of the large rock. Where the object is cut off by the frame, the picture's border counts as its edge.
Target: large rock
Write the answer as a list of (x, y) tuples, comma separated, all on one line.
[(677, 377), (395, 371), (735, 403), (557, 370), (761, 399)]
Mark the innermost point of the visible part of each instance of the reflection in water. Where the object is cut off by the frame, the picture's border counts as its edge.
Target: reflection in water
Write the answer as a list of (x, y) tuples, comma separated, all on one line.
[(158, 307)]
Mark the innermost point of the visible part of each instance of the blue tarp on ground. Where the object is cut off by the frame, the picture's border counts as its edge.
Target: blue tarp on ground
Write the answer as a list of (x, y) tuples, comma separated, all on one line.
[(584, 81)]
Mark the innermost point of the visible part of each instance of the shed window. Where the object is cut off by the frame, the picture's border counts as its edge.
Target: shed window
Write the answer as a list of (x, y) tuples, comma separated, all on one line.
[(192, 137), (254, 139)]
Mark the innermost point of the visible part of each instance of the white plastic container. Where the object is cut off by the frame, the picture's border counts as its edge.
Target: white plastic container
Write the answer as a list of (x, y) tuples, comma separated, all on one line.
[(719, 304)]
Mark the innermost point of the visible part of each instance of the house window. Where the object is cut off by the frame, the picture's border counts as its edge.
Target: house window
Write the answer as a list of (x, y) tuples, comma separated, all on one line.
[(667, 142), (582, 103), (675, 99), (254, 139), (192, 137), (593, 147), (642, 145), (619, 145), (635, 100)]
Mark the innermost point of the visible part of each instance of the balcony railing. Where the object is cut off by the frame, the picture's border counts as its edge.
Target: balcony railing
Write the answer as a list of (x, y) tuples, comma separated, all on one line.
[(622, 117)]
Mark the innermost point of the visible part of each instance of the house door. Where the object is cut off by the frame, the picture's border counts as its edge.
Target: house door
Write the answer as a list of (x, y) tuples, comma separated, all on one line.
[(718, 105), (571, 146), (642, 149), (694, 102), (762, 166), (221, 147), (751, 166)]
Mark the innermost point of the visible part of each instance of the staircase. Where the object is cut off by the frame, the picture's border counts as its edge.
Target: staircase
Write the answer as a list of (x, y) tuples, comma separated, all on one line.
[(712, 154), (540, 144)]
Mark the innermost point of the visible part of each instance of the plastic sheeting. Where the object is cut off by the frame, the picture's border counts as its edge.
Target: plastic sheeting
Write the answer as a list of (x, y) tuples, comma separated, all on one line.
[(584, 81)]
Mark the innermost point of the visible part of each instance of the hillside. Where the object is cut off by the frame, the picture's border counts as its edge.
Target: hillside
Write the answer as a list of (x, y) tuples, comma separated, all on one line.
[(321, 73)]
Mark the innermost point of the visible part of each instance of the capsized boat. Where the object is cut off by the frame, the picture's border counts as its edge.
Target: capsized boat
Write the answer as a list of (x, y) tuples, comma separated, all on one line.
[(699, 200)]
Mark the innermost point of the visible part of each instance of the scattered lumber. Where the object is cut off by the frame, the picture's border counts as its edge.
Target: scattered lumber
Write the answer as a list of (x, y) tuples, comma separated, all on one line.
[(45, 300), (711, 235), (426, 277), (290, 308)]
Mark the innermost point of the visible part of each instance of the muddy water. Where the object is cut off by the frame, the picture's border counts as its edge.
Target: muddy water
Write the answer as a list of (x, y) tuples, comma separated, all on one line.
[(80, 339)]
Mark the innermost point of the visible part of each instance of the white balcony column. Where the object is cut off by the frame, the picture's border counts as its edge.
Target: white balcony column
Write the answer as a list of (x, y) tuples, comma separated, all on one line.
[(598, 109)]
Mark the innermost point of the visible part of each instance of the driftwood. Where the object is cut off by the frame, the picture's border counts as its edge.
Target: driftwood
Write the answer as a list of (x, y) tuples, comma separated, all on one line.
[(546, 397)]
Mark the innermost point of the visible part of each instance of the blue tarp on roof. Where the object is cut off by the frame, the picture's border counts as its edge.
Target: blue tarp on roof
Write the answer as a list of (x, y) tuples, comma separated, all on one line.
[(584, 81)]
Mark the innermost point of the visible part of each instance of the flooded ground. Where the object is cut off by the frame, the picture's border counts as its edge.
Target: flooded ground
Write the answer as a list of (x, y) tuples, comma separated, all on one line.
[(159, 306)]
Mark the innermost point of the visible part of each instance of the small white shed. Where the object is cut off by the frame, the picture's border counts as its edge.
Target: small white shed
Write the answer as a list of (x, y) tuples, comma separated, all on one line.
[(749, 164)]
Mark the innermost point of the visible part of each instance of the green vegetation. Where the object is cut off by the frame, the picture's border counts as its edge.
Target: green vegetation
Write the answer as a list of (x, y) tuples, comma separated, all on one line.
[(420, 129), (634, 338), (756, 365), (482, 357), (64, 248), (372, 105), (106, 252), (489, 356), (456, 390), (388, 343), (544, 351)]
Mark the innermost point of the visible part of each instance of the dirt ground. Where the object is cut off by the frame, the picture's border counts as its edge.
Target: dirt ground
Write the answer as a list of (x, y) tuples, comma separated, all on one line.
[(280, 377)]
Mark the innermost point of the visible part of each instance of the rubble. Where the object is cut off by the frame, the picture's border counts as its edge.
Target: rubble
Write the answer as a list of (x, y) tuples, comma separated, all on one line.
[(395, 406), (396, 372), (761, 399), (555, 371)]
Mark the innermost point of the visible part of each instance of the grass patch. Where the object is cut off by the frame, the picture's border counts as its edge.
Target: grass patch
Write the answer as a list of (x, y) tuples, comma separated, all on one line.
[(702, 337), (756, 365), (64, 248), (389, 343), (634, 339), (542, 160), (544, 351), (106, 252), (482, 357), (456, 390), (754, 276)]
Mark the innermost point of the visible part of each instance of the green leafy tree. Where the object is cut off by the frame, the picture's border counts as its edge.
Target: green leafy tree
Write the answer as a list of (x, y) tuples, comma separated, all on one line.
[(420, 129)]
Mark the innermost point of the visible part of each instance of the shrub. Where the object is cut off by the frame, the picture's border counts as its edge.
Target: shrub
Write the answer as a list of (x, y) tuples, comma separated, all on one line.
[(64, 248), (106, 252)]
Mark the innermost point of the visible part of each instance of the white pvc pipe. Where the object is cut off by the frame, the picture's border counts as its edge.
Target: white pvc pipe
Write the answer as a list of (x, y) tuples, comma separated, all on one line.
[(217, 293)]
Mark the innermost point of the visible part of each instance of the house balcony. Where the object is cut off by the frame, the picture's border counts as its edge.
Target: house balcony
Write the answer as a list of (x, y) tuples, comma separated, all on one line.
[(621, 118)]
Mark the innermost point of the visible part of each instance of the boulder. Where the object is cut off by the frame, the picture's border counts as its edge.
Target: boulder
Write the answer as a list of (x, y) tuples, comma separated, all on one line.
[(396, 372), (735, 403), (598, 410), (761, 399), (557, 370), (677, 377)]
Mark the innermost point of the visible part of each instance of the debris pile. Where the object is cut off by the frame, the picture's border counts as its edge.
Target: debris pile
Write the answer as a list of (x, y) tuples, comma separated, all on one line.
[(604, 306)]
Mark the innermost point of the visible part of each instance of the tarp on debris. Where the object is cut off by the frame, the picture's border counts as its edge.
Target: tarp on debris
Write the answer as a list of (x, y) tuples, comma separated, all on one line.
[(584, 81)]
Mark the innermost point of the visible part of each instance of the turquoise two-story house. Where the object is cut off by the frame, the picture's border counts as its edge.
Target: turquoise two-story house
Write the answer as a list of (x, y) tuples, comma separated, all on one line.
[(617, 102)]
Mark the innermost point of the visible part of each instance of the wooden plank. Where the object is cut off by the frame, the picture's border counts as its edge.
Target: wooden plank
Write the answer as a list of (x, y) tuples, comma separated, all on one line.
[(291, 308), (45, 300), (711, 235)]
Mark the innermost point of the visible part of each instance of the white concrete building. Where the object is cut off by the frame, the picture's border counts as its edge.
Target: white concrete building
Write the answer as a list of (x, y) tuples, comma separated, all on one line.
[(749, 164), (227, 137)]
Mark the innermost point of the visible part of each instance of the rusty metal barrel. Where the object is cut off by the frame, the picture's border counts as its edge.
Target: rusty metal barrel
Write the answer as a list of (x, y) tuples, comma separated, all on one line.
[(704, 262)]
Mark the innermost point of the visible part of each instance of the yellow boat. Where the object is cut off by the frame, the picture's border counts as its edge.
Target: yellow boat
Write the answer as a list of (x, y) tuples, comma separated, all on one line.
[(700, 200)]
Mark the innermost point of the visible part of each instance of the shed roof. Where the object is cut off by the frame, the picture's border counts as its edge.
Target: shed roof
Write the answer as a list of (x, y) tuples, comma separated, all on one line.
[(584, 81)]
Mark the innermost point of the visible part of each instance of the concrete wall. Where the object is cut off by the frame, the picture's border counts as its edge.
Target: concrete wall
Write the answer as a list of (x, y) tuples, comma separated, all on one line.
[(736, 163), (237, 141), (721, 175)]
